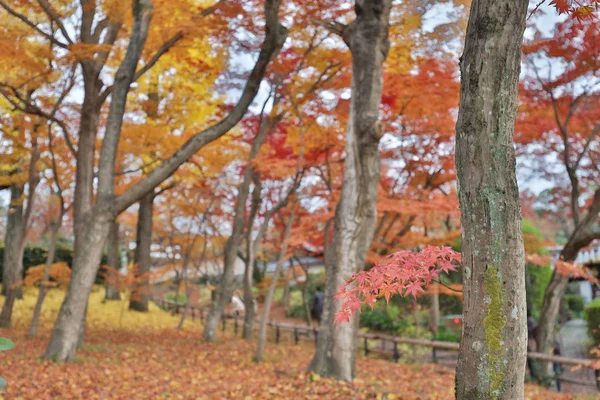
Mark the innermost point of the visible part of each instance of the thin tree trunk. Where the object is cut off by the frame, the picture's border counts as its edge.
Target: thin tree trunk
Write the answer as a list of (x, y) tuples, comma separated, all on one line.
[(140, 293), (33, 328), (581, 237), (262, 333), (248, 329), (13, 257), (491, 363), (434, 309), (285, 302), (187, 302), (114, 261), (305, 293), (356, 214), (226, 286)]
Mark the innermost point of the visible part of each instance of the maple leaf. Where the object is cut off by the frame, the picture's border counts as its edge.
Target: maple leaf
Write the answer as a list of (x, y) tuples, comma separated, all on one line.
[(562, 6)]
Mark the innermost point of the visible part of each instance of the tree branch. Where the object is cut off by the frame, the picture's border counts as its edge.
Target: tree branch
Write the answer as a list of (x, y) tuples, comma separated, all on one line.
[(333, 27), (54, 17), (162, 50), (276, 35), (32, 25)]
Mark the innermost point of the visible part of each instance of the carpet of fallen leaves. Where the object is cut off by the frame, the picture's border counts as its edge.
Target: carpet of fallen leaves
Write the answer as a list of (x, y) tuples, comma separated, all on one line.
[(129, 355)]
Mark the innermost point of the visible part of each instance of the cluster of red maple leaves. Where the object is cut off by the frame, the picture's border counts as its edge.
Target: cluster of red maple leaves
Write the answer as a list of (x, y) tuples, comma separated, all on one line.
[(403, 272)]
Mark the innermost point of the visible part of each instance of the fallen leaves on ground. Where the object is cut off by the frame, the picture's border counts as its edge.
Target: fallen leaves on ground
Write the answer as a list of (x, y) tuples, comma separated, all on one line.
[(130, 355)]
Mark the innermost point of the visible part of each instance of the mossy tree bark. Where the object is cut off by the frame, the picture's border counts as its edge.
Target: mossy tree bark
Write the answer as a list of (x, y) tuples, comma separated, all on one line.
[(492, 356)]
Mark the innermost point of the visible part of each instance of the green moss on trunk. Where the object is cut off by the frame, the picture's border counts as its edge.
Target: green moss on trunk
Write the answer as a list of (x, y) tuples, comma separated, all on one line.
[(493, 324)]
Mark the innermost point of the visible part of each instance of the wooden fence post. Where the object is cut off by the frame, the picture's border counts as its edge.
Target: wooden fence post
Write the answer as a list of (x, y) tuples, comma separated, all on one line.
[(235, 324), (366, 347), (296, 338), (434, 354), (277, 333), (223, 319), (396, 353)]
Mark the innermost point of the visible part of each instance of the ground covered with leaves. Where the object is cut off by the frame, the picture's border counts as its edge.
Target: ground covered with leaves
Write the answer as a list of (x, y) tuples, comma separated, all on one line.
[(130, 355)]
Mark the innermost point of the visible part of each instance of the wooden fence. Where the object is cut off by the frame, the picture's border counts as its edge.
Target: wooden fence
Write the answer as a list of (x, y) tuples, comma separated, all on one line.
[(441, 352)]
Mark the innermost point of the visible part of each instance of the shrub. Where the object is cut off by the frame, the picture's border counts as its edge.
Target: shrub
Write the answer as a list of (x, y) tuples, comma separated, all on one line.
[(592, 315), (181, 297), (384, 320), (34, 256), (575, 303), (298, 311), (446, 336)]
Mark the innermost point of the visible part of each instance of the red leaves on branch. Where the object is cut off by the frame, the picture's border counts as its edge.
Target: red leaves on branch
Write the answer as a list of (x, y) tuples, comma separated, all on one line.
[(403, 272), (577, 9)]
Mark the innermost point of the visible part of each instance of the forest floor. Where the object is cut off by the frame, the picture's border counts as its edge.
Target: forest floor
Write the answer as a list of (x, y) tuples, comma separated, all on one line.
[(129, 355)]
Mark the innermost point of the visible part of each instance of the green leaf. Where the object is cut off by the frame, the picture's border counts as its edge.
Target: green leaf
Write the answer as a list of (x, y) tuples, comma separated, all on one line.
[(6, 344), (2, 384)]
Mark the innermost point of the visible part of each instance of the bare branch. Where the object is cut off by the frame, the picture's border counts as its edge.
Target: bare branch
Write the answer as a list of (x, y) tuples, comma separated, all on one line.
[(32, 25), (54, 17), (162, 50), (333, 27)]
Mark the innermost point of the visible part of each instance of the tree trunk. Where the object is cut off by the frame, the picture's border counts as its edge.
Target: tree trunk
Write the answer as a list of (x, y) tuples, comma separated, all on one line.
[(434, 310), (262, 333), (356, 213), (13, 253), (55, 227), (491, 363), (581, 237), (226, 286), (285, 302), (92, 223), (114, 261), (140, 294), (248, 329), (69, 324)]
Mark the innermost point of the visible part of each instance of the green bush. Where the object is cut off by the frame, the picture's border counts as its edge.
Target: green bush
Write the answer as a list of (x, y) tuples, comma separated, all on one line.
[(297, 311), (575, 303), (446, 336), (592, 315), (181, 297), (384, 320)]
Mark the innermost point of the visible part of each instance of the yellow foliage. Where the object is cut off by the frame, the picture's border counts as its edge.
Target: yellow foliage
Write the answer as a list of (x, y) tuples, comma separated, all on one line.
[(102, 314)]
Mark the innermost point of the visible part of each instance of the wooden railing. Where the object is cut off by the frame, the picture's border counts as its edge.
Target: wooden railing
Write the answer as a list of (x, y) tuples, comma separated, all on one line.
[(388, 344)]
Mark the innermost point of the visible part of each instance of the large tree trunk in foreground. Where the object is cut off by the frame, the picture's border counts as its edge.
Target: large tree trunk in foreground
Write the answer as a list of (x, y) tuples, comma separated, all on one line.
[(114, 260), (356, 213), (491, 363), (13, 253), (140, 295), (35, 321), (262, 333)]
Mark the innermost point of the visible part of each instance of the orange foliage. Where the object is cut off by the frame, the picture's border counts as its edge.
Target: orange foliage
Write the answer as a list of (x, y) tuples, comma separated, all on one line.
[(60, 275)]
